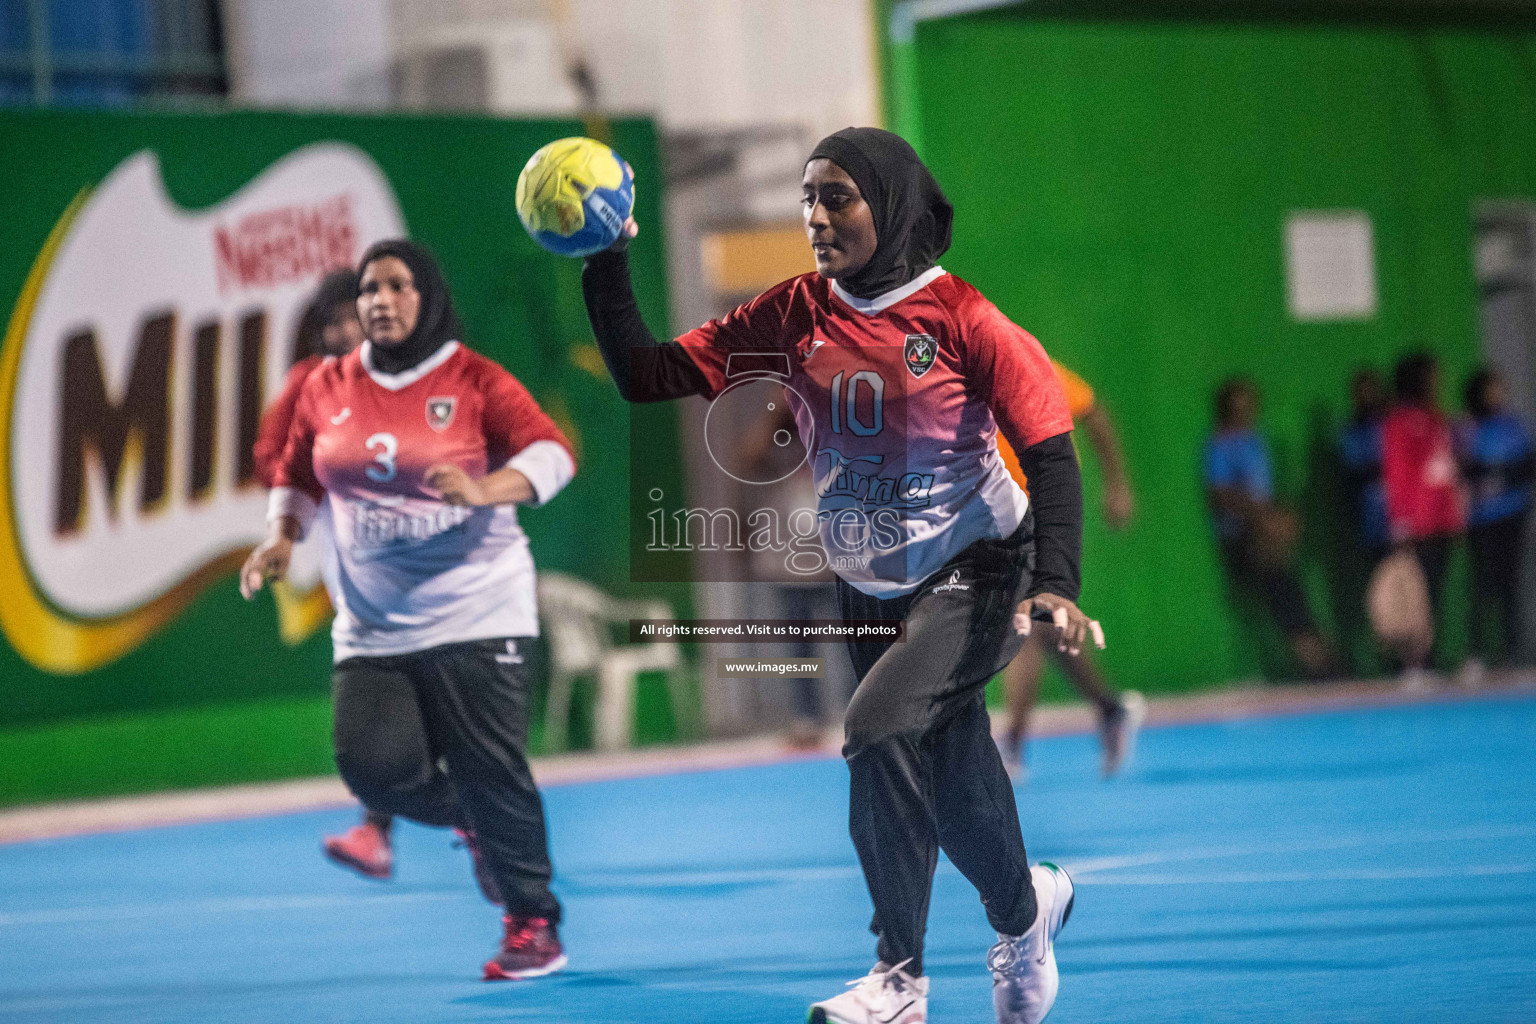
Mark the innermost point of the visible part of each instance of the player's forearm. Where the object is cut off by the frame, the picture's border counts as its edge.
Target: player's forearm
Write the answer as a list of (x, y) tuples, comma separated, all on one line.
[(643, 369), (290, 509), (284, 527), (1056, 496), (506, 486)]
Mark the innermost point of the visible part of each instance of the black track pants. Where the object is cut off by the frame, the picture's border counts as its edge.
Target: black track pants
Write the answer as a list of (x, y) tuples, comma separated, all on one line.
[(1497, 560), (924, 771), (468, 704)]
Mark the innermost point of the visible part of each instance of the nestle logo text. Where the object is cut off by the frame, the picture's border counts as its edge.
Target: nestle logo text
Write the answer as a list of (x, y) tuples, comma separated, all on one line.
[(286, 244)]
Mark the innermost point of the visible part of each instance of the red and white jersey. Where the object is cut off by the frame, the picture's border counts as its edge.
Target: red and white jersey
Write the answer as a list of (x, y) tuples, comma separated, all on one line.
[(413, 571), (898, 400)]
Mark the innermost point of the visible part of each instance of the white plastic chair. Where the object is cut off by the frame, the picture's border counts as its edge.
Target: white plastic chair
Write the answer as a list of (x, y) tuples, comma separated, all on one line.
[(578, 621)]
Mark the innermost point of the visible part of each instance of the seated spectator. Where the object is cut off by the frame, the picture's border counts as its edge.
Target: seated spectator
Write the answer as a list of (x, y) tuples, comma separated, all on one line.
[(1426, 503), (1257, 536), (1497, 460)]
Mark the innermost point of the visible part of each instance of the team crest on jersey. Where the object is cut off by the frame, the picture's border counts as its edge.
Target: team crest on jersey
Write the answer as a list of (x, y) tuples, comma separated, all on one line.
[(920, 352), (440, 412)]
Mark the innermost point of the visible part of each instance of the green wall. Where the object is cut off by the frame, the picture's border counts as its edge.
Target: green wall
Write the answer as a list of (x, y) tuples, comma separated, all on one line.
[(454, 178), (1121, 189)]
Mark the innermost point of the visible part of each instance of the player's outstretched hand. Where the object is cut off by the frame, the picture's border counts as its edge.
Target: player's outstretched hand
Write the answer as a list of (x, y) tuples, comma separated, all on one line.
[(268, 562), (456, 486), (1072, 626), (630, 229)]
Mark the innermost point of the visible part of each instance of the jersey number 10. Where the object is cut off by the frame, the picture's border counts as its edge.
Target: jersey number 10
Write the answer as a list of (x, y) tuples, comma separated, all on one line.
[(876, 386)]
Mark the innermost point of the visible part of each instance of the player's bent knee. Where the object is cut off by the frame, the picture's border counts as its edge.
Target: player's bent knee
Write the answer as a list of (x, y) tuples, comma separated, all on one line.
[(376, 774), (868, 724)]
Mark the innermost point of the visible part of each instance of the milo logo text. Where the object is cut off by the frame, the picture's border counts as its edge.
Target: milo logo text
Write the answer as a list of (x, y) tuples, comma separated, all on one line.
[(134, 371)]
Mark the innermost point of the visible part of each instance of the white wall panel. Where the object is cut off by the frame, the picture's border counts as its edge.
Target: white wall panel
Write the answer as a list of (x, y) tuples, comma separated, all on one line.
[(314, 54)]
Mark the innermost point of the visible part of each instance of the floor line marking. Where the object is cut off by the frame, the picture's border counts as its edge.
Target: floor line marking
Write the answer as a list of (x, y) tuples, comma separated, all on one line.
[(213, 905), (1097, 871), (1318, 875), (1093, 865)]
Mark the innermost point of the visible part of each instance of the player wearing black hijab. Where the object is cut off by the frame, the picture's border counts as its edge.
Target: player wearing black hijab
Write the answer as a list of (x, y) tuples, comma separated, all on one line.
[(901, 378), (421, 449)]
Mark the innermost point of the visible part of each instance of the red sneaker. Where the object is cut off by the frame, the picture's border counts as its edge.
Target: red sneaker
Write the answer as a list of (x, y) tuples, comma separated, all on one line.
[(363, 848), (487, 881), (530, 949)]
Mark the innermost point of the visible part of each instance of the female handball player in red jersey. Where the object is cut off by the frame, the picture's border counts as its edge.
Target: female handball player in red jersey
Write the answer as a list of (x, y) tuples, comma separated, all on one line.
[(900, 378), (421, 450)]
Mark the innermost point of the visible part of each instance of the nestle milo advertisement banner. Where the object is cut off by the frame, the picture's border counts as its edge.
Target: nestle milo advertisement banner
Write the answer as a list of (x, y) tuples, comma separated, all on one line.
[(153, 275)]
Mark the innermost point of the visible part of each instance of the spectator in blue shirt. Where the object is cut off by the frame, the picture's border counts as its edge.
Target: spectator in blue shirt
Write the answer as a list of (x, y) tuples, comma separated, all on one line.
[(1360, 452), (1257, 536), (1497, 461)]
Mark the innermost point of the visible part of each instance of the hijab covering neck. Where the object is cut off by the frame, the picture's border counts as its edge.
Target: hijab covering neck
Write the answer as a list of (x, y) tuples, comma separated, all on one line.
[(912, 217), (436, 322)]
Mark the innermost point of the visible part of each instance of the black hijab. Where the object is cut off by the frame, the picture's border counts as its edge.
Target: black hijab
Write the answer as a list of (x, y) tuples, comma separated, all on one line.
[(912, 217), (436, 322)]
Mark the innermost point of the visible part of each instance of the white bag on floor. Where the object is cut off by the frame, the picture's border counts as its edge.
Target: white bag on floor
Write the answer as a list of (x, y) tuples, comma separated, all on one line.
[(1397, 603)]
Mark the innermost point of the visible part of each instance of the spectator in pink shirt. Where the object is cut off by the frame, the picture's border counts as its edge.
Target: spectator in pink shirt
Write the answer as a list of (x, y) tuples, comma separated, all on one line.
[(1426, 502)]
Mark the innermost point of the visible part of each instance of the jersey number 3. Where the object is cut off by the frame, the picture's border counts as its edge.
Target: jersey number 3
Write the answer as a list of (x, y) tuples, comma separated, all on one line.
[(389, 445)]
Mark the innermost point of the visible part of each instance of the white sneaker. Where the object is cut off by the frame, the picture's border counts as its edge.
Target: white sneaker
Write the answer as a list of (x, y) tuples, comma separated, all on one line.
[(1024, 978), (1119, 733), (886, 995)]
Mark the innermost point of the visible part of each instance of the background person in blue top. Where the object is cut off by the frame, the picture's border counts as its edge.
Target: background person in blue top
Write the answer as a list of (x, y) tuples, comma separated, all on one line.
[(1255, 534), (1497, 460), (1368, 537), (1360, 451)]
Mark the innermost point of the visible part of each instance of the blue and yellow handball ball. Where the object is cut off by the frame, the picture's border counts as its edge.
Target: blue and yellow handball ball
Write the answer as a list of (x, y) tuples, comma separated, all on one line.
[(574, 196)]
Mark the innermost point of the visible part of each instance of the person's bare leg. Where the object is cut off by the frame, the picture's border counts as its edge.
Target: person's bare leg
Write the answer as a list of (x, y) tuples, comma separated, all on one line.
[(1120, 714), (1087, 680), (1021, 687)]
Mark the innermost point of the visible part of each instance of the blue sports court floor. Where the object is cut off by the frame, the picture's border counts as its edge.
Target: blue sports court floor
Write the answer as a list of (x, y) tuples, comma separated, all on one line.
[(1360, 866)]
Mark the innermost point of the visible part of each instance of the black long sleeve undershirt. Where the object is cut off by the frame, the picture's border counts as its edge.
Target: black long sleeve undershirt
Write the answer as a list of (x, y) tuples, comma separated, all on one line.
[(644, 369), (1056, 496)]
